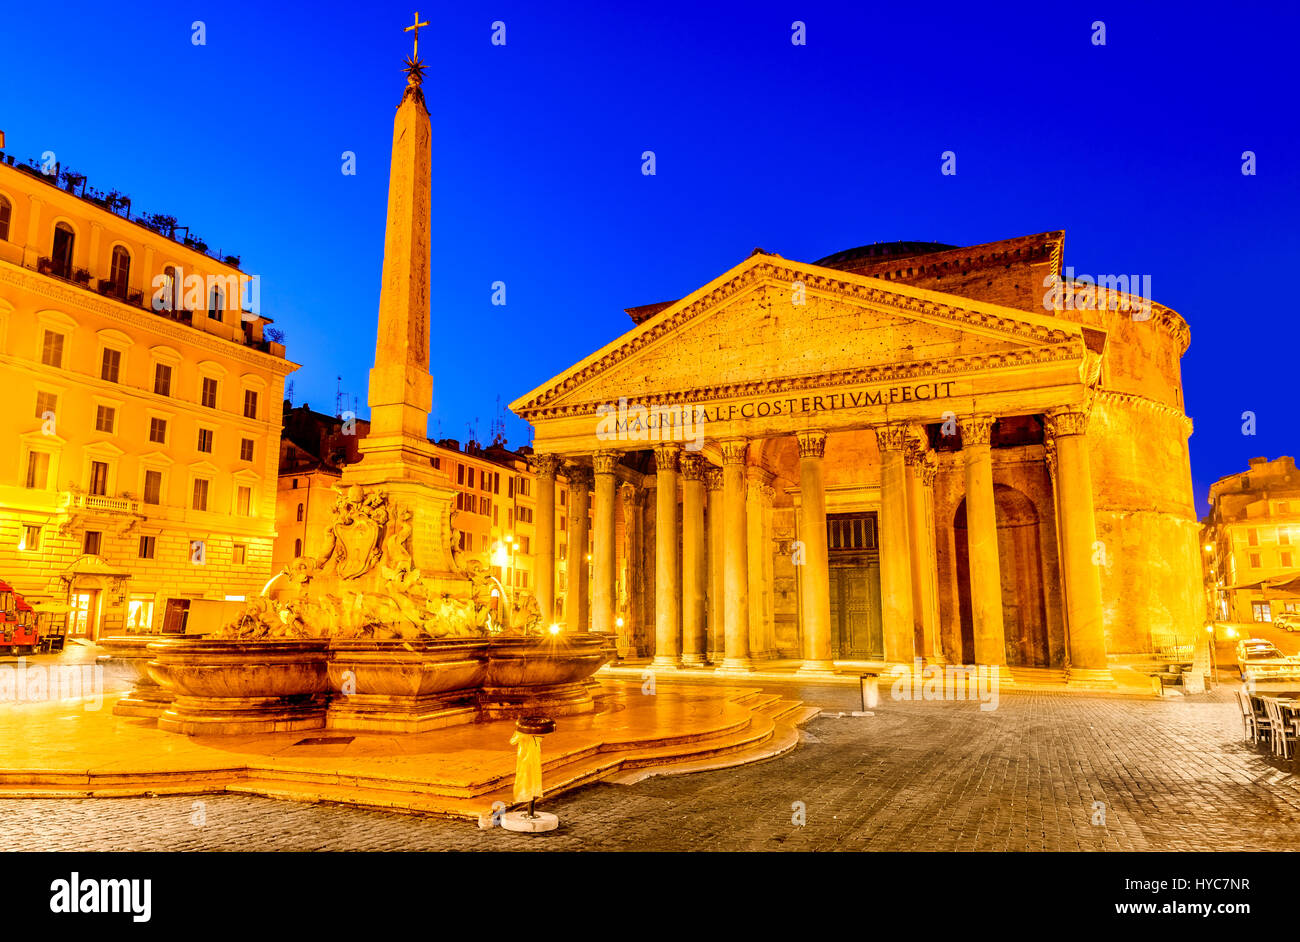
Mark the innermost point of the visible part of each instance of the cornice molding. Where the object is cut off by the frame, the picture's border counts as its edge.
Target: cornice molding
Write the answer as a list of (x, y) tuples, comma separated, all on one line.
[(122, 312)]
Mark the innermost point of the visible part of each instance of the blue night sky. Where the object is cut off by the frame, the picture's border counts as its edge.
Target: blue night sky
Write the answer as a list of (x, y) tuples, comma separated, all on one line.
[(1134, 149)]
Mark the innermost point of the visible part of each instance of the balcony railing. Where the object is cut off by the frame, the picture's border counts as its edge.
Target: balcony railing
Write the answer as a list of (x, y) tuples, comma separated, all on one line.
[(96, 503)]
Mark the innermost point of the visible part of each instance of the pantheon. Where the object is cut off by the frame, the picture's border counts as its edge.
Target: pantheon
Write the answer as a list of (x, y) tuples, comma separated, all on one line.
[(904, 450)]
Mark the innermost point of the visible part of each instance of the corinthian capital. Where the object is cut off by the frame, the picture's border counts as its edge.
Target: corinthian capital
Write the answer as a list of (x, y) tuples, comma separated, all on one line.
[(713, 477), (1066, 421), (733, 451), (546, 465), (693, 466), (812, 443), (604, 462), (892, 437), (976, 429), (666, 454), (579, 475)]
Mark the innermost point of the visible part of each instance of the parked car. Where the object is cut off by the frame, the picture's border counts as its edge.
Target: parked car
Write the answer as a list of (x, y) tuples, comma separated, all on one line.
[(1288, 621), (1260, 659)]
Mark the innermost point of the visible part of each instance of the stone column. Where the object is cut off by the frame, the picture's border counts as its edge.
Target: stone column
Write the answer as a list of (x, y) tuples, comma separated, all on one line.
[(717, 565), (633, 573), (814, 573), (579, 604), (544, 551), (605, 591), (736, 557), (895, 548), (758, 509), (982, 542), (1078, 530), (926, 473), (919, 465), (695, 571), (668, 598)]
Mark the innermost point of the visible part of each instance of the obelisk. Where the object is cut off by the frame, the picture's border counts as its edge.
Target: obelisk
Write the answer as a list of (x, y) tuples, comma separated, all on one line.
[(396, 454)]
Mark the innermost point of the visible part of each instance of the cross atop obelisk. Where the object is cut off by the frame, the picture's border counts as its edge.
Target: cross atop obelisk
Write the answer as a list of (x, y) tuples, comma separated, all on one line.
[(414, 67), (416, 28)]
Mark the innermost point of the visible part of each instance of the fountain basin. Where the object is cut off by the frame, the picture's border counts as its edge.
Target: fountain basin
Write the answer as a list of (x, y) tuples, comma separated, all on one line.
[(225, 687), (542, 675), (401, 686), (128, 655)]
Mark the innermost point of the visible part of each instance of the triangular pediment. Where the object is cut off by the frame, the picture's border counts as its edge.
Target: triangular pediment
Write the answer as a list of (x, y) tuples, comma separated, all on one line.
[(773, 321)]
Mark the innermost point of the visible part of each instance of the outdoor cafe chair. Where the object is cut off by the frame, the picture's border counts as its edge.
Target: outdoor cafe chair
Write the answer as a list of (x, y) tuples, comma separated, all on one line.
[(1280, 734), (1263, 725), (1247, 716)]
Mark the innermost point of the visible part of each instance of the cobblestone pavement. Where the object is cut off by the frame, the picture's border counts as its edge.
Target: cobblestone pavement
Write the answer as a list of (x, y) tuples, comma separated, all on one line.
[(1171, 775)]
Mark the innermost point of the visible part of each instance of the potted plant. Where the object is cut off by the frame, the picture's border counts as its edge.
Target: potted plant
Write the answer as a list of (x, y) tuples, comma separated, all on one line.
[(81, 276)]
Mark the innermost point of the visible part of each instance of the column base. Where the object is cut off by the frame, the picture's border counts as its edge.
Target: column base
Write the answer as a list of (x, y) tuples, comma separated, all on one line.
[(694, 660), (816, 669), (737, 665), (666, 662)]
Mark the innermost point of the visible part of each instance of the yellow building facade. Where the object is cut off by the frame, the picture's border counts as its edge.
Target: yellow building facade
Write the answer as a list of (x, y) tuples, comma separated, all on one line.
[(1251, 542), (138, 484)]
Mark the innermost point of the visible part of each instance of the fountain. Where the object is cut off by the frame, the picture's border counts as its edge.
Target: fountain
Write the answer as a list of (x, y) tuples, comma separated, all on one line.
[(388, 630)]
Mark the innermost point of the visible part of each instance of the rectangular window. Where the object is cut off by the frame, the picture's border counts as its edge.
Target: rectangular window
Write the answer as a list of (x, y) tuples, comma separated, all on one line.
[(240, 554), (99, 478), (205, 440), (469, 477), (1286, 560), (563, 498), (209, 397), (243, 501), (158, 430), (46, 403), (52, 349), (105, 419), (523, 487), (152, 487), (92, 543), (1254, 560), (496, 516), (460, 474), (1283, 507), (246, 449), (139, 614), (1252, 537), (111, 365), (31, 538), (1284, 537), (200, 494), (524, 544), (146, 547), (38, 469), (250, 403), (496, 482), (162, 379), (510, 487), (1261, 611)]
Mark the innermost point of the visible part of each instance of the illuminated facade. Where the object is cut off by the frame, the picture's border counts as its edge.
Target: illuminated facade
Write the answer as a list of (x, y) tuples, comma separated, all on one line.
[(902, 450), (143, 420), (1251, 541)]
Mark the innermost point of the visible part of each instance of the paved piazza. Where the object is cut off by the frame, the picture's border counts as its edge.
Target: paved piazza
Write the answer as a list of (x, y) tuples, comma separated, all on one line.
[(1173, 775)]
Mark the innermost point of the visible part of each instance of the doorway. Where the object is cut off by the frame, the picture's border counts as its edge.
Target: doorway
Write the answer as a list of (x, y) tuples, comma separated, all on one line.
[(83, 620), (854, 555), (175, 616)]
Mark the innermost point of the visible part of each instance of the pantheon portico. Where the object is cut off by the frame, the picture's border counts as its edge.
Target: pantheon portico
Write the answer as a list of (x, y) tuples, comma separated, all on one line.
[(833, 463)]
